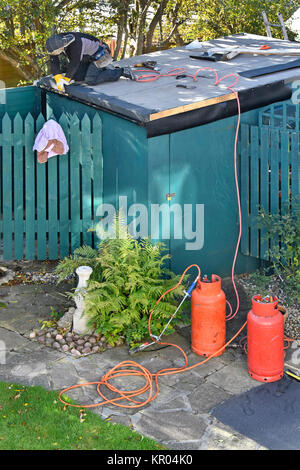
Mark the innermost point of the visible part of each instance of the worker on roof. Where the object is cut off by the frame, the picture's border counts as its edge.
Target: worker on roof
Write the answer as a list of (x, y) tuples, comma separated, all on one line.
[(88, 60)]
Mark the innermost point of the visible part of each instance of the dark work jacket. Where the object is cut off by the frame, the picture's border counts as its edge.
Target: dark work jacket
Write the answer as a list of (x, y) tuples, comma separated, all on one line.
[(79, 54)]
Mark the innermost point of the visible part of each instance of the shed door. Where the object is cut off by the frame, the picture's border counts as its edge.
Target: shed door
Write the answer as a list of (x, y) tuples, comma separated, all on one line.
[(202, 178)]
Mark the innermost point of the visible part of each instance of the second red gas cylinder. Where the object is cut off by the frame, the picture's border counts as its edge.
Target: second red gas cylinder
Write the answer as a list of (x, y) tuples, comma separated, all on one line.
[(265, 340), (208, 317)]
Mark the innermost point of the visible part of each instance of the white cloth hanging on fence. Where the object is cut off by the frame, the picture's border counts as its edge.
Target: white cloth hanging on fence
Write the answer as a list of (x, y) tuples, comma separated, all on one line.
[(50, 141)]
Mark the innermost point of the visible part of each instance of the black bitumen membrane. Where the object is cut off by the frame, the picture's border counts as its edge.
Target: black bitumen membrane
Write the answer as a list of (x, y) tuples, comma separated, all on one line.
[(182, 107), (268, 414)]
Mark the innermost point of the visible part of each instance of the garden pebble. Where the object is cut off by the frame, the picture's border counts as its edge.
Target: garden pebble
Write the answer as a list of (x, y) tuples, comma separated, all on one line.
[(66, 341), (86, 350), (75, 352)]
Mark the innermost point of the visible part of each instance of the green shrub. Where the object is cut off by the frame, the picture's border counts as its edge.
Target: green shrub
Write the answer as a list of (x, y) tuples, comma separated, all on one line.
[(128, 279), (283, 230), (84, 255)]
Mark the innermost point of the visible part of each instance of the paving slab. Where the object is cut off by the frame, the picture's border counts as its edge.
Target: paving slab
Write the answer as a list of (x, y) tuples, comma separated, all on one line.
[(233, 378), (62, 375), (292, 357), (178, 426), (29, 304), (203, 370), (206, 396), (184, 382), (221, 437), (11, 340)]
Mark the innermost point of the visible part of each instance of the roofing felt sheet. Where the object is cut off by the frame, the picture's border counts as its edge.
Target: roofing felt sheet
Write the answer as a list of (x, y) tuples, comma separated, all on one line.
[(148, 101), (268, 414)]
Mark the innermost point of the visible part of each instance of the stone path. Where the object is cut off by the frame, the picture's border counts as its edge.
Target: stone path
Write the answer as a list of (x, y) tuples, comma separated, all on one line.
[(179, 418)]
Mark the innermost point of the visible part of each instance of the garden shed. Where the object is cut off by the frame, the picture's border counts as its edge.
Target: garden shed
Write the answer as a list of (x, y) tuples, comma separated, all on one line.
[(156, 145)]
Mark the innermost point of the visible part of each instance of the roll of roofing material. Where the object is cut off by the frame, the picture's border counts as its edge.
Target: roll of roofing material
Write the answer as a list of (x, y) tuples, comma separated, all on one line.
[(271, 69)]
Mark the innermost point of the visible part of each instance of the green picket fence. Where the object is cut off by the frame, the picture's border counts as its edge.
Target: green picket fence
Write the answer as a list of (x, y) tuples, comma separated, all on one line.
[(46, 210), (269, 170)]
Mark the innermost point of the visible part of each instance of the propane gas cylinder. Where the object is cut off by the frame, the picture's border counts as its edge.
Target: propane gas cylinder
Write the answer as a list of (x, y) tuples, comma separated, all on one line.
[(208, 317), (265, 340)]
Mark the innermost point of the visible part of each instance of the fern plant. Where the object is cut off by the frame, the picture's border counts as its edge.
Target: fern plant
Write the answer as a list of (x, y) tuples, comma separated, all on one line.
[(84, 255), (128, 279)]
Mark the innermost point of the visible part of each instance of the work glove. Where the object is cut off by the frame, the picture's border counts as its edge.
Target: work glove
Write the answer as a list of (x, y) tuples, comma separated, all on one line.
[(61, 81), (128, 73)]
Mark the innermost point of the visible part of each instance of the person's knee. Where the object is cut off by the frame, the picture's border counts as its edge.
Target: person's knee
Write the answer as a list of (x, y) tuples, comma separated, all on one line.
[(96, 76), (90, 80)]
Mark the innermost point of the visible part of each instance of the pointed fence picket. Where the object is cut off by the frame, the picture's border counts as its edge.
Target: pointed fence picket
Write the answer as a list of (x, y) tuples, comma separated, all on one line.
[(47, 210)]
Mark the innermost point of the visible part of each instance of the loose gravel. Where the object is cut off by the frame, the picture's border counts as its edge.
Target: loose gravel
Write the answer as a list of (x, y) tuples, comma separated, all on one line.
[(276, 287)]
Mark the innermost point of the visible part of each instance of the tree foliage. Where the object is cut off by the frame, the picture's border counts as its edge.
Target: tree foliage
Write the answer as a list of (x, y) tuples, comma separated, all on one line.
[(224, 17), (25, 26), (138, 25)]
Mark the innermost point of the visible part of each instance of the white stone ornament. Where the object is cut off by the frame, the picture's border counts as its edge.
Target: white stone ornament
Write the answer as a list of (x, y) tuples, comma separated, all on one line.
[(79, 318)]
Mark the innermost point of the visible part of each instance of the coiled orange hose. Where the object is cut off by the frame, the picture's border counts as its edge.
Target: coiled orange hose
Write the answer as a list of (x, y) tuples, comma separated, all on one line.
[(133, 369)]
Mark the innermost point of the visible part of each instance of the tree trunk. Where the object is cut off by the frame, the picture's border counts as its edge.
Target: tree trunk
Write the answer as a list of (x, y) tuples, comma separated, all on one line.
[(144, 6), (155, 21), (178, 39), (121, 29), (174, 32), (24, 74), (119, 40), (125, 43)]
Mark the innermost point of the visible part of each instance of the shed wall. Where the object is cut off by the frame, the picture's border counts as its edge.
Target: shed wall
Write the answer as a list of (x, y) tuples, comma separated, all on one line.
[(21, 100), (196, 164)]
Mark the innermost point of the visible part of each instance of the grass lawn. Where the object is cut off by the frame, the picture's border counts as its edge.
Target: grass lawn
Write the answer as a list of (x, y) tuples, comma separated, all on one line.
[(31, 418)]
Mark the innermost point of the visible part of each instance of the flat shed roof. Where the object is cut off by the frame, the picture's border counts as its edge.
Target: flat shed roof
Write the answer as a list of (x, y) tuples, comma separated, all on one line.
[(162, 107)]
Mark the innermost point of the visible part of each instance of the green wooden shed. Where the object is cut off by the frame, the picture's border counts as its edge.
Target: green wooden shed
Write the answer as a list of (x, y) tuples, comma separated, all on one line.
[(169, 149)]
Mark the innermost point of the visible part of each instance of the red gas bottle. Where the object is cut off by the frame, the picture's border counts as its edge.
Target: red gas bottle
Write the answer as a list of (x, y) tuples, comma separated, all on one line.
[(265, 333), (208, 317)]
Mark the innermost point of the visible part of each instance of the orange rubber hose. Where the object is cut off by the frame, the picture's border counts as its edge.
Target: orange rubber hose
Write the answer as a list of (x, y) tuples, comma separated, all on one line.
[(132, 368), (289, 340), (139, 371)]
